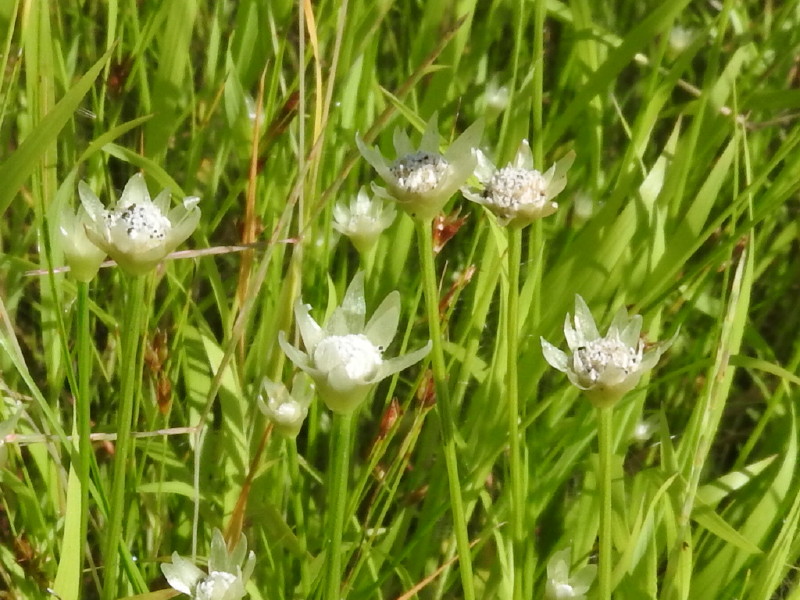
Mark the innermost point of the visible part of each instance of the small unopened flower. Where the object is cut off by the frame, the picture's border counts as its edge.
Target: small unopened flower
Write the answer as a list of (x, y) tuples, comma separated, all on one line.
[(604, 367), (518, 194), (561, 585), (138, 232), (345, 357), (287, 410), (228, 572), (422, 181), (363, 219), (82, 256)]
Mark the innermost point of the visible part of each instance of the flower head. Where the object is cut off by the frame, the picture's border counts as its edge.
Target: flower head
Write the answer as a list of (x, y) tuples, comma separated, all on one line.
[(138, 232), (560, 585), (286, 410), (226, 577), (518, 194), (82, 256), (363, 220), (604, 367), (421, 181), (345, 357)]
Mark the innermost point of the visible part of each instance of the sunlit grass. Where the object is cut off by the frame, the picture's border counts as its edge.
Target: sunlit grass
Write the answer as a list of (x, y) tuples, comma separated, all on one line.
[(681, 206)]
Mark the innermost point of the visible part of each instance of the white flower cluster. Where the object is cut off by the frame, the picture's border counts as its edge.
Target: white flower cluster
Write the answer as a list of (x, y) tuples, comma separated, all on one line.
[(137, 232)]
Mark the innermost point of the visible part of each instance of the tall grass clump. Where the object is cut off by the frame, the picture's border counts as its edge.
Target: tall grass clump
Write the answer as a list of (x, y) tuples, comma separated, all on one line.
[(440, 300)]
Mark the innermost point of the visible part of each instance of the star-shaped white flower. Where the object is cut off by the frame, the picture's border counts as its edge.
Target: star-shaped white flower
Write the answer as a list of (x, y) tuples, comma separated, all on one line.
[(604, 367), (287, 410), (226, 577), (421, 181), (518, 194), (563, 586), (138, 232), (345, 357), (363, 219)]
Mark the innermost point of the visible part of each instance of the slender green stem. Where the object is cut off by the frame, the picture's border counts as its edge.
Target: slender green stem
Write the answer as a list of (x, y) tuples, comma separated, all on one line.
[(128, 387), (512, 393), (539, 9), (604, 486), (443, 407), (337, 501), (83, 407), (299, 516)]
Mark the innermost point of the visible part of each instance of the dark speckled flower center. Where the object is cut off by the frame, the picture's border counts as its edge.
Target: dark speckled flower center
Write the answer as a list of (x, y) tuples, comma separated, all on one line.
[(142, 222), (420, 172)]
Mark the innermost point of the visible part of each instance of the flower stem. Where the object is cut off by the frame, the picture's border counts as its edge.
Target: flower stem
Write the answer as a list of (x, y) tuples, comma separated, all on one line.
[(444, 409), (337, 501), (604, 486), (83, 408), (299, 516), (128, 396), (512, 393)]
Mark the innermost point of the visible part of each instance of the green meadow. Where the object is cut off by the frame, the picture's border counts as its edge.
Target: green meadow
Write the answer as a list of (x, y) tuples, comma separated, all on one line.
[(142, 435)]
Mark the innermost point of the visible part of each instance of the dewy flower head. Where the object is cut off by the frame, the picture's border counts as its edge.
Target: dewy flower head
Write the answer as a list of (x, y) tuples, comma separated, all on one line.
[(286, 410), (604, 367), (363, 220), (423, 180), (345, 357), (518, 194), (138, 232), (560, 585), (226, 577), (82, 256)]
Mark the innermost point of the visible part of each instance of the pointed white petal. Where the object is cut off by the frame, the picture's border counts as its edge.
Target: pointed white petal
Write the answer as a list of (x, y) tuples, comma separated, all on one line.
[(181, 574), (461, 148), (382, 326), (430, 137), (400, 363), (556, 358), (311, 333), (584, 321)]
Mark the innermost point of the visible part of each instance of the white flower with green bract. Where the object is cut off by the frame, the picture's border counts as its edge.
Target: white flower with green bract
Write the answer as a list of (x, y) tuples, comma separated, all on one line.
[(345, 356), (561, 585), (518, 194), (422, 180), (286, 410), (604, 367), (138, 232), (227, 576), (81, 255), (363, 219)]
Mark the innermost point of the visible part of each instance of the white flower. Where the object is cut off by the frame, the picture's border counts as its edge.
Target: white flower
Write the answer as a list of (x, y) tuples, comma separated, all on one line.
[(604, 367), (345, 357), (680, 38), (226, 577), (138, 232), (286, 410), (518, 194), (560, 586), (423, 180), (82, 256), (363, 220)]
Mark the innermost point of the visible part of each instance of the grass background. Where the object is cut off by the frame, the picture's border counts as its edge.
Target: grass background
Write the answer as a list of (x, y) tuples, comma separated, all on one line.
[(682, 205)]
